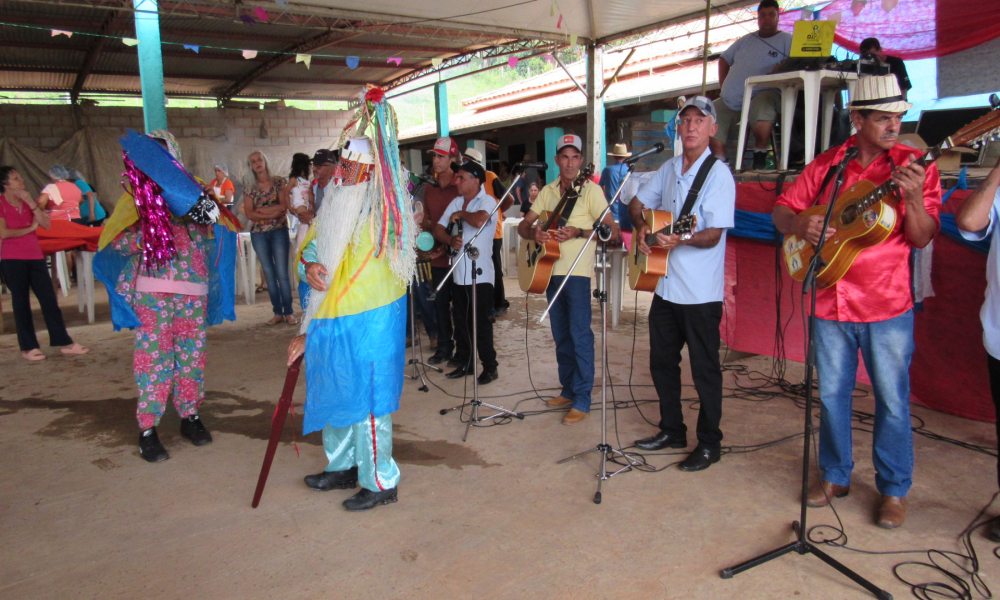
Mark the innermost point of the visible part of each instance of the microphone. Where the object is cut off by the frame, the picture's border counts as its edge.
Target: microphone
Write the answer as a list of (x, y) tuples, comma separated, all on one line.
[(656, 149), (849, 155), (524, 164), (426, 179)]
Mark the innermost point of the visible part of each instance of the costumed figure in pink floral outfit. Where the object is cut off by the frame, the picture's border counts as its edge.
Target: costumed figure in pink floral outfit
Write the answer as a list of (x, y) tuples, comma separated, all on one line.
[(171, 268)]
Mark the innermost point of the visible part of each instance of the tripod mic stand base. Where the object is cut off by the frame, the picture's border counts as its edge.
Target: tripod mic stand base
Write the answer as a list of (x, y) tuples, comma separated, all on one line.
[(803, 546)]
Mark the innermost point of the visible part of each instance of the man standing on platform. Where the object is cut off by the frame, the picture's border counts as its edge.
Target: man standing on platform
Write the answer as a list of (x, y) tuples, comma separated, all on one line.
[(687, 307), (436, 199), (871, 307), (473, 207), (757, 53), (977, 218), (570, 315)]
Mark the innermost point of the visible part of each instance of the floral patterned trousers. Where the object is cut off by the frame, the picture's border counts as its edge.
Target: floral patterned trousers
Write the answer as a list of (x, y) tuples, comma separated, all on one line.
[(169, 354)]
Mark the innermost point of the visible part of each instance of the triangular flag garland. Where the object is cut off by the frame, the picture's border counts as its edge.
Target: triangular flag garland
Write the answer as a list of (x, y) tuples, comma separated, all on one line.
[(572, 39), (559, 24), (398, 61), (437, 61), (304, 58), (130, 41), (249, 54), (261, 14), (247, 19), (549, 59), (193, 47), (352, 62), (56, 32), (888, 5), (283, 3), (552, 9), (512, 62)]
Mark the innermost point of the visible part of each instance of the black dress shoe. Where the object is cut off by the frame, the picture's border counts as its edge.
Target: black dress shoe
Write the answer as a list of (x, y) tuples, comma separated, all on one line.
[(366, 499), (699, 460), (440, 356), (660, 441), (501, 311), (459, 373), (193, 429), (458, 362), (994, 533), (150, 447), (333, 480), (488, 376)]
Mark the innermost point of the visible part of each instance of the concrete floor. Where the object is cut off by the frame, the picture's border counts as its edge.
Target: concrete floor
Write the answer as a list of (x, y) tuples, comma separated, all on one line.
[(82, 515)]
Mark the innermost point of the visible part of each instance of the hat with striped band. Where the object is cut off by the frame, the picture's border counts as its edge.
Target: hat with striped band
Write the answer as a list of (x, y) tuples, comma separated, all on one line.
[(879, 92)]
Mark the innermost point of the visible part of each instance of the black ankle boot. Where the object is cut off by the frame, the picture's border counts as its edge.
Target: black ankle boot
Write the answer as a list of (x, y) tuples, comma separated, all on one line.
[(150, 447), (366, 499), (333, 480), (193, 429)]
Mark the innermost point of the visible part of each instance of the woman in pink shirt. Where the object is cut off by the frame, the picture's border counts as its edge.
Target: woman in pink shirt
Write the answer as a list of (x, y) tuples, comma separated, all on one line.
[(23, 267)]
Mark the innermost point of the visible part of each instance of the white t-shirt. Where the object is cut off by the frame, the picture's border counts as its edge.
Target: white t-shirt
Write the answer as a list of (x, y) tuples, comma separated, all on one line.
[(463, 274), (300, 194), (752, 55)]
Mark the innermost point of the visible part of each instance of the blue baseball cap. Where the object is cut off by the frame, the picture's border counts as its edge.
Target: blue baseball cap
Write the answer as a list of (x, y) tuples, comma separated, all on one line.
[(704, 106)]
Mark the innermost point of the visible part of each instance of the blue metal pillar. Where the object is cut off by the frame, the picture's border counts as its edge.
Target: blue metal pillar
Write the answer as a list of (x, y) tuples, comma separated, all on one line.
[(441, 108), (552, 137), (147, 31)]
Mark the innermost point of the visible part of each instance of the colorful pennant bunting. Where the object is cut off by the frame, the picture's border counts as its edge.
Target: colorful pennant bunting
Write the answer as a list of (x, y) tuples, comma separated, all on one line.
[(304, 58), (56, 32), (352, 62), (249, 54), (512, 62), (261, 14), (396, 60), (130, 41), (197, 49)]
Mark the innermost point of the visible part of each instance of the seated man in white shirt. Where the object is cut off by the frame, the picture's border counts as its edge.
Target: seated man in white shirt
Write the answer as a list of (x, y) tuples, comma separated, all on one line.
[(472, 208), (757, 53)]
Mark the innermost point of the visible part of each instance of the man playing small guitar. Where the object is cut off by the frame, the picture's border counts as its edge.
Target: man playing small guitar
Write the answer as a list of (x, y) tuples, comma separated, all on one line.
[(687, 307), (571, 314), (870, 308)]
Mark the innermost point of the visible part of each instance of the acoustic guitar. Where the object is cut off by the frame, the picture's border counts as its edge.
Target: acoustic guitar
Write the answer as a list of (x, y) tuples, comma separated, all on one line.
[(644, 272), (865, 214), (535, 262)]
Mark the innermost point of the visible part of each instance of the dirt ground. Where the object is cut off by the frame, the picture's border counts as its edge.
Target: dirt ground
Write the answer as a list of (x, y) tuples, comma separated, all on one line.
[(496, 517)]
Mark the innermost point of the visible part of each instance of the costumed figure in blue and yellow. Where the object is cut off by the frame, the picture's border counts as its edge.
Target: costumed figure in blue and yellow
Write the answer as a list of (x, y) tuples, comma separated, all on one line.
[(358, 258), (167, 256)]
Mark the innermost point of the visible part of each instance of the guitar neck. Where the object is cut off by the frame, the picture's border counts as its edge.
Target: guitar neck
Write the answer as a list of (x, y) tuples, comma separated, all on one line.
[(890, 187), (651, 237)]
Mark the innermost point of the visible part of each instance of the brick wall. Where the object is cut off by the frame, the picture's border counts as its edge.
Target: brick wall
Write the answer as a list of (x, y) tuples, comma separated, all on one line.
[(45, 127)]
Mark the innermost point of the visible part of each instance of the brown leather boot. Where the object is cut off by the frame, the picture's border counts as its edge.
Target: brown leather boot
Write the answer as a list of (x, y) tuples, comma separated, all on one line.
[(891, 512), (821, 492)]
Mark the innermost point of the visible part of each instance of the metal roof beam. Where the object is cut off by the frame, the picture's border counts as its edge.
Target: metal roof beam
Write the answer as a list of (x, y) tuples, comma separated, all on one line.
[(111, 23), (329, 38)]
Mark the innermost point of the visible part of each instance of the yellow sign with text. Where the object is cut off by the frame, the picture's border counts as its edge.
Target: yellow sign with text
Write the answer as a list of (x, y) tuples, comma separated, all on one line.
[(813, 38)]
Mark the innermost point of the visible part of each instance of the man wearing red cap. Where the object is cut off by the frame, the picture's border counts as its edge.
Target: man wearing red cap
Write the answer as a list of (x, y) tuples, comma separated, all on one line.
[(570, 314), (436, 199)]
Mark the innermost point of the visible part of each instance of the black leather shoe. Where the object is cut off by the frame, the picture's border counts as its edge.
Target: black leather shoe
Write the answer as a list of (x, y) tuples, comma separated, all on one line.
[(333, 480), (501, 311), (459, 373), (660, 441), (699, 460), (440, 356), (366, 499), (994, 533), (759, 161), (150, 447), (488, 376), (193, 429), (457, 361)]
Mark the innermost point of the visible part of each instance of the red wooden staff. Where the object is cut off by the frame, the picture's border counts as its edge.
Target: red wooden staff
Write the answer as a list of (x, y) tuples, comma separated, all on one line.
[(277, 424)]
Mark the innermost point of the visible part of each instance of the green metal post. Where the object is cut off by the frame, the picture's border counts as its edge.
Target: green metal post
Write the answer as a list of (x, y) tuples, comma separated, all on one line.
[(552, 136), (441, 108), (147, 31)]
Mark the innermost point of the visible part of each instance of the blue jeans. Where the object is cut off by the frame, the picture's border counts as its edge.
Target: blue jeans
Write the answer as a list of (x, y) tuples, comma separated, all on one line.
[(886, 347), (570, 316), (272, 251)]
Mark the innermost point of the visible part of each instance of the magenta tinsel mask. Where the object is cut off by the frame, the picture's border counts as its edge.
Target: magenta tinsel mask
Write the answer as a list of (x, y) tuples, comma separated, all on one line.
[(158, 247)]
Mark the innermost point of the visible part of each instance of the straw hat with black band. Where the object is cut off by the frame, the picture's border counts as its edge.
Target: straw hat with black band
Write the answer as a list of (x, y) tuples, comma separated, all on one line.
[(879, 92)]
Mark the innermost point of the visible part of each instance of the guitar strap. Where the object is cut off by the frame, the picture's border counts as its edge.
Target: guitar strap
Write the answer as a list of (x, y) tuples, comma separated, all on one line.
[(699, 180), (568, 209)]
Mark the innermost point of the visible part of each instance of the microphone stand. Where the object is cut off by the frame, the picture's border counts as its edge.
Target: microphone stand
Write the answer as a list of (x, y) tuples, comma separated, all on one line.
[(604, 234), (417, 373), (802, 545), (473, 254)]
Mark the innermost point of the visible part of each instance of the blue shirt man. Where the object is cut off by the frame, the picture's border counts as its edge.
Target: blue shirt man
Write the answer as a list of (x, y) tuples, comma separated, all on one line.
[(687, 307), (611, 179)]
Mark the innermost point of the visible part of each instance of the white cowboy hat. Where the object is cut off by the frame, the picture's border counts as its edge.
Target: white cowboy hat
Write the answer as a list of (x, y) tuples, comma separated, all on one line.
[(620, 150), (879, 92)]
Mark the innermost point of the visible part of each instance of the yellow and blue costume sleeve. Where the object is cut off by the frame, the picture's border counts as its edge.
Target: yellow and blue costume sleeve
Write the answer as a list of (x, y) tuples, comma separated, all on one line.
[(354, 343)]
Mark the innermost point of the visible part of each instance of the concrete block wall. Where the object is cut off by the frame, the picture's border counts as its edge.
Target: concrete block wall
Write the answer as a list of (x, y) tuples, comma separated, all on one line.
[(46, 127)]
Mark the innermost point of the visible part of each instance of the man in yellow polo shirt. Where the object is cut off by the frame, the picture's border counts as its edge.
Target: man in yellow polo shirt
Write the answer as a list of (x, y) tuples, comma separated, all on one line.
[(571, 313)]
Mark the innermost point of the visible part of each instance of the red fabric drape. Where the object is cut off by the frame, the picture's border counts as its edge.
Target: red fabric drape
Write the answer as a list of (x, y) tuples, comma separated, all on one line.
[(915, 28), (948, 372), (66, 235)]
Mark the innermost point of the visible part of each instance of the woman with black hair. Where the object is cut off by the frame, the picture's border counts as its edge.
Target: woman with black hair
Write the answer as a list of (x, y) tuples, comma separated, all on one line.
[(23, 266), (299, 197)]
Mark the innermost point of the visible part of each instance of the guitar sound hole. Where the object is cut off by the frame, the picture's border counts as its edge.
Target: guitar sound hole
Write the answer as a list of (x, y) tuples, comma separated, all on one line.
[(850, 214)]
